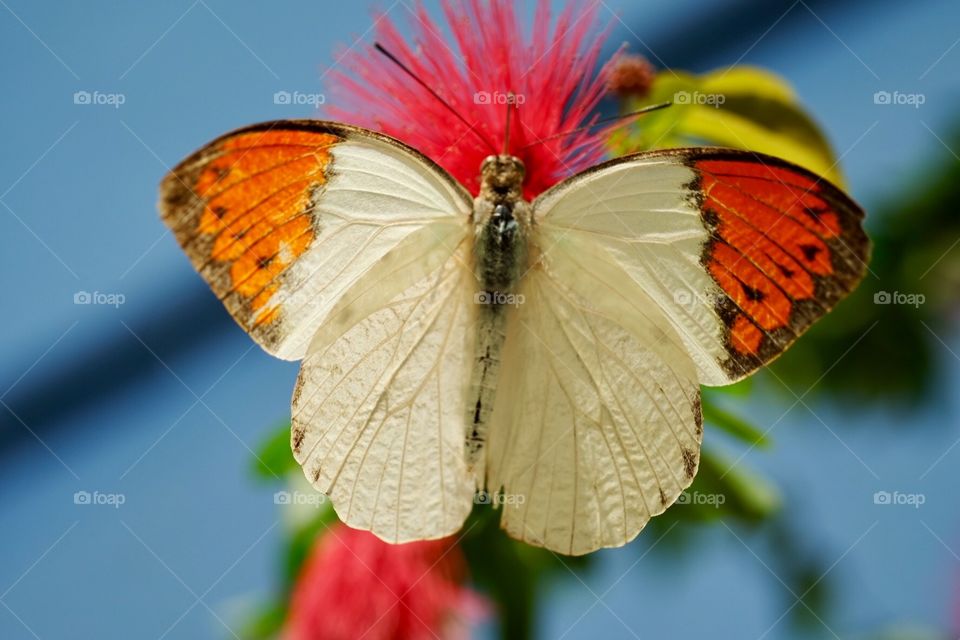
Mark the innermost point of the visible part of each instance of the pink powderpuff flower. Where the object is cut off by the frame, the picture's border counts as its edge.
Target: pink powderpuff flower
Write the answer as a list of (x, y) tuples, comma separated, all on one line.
[(548, 76), (354, 585)]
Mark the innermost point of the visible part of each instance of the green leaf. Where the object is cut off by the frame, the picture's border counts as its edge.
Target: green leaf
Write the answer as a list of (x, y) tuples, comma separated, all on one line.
[(302, 542), (741, 107), (732, 424), (513, 574), (740, 389), (274, 458), (748, 495), (265, 623)]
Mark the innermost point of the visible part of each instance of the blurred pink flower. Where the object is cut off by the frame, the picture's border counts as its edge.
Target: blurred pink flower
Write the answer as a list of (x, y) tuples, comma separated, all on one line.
[(550, 71), (355, 586)]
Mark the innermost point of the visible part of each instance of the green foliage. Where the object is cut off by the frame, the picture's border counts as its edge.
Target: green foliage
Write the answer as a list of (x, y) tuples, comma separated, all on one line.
[(266, 622), (274, 462), (274, 457), (740, 107), (511, 573), (734, 425)]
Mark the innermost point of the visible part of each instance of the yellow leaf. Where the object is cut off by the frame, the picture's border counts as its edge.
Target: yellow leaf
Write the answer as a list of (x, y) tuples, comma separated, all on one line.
[(739, 107)]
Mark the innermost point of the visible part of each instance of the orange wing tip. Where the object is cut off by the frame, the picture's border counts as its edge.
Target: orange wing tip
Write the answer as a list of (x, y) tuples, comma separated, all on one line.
[(785, 246), (240, 207)]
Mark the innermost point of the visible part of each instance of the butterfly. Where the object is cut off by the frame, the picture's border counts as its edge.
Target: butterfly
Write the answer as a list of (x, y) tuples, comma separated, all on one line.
[(546, 354)]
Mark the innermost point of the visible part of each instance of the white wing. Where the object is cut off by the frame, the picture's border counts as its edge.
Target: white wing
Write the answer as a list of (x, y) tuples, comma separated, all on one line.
[(640, 220), (596, 425), (379, 404), (739, 252)]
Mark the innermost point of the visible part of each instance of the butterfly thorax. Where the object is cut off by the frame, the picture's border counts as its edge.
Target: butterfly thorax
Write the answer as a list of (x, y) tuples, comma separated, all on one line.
[(501, 219)]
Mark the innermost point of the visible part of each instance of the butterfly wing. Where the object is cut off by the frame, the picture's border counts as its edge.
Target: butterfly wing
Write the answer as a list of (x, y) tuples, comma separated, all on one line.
[(741, 252), (596, 422), (282, 218), (379, 405), (643, 273), (350, 250)]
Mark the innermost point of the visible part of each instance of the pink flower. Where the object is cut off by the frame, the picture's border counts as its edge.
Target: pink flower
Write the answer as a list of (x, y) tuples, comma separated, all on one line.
[(551, 73), (355, 586)]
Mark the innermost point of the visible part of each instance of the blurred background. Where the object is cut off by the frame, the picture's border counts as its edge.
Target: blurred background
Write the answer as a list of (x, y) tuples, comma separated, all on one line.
[(133, 410)]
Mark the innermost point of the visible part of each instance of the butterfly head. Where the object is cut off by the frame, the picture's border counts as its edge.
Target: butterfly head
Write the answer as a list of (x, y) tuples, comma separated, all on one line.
[(501, 178)]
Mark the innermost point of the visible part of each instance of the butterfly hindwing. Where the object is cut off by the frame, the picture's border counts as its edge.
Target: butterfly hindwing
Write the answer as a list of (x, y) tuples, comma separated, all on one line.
[(596, 426), (379, 404)]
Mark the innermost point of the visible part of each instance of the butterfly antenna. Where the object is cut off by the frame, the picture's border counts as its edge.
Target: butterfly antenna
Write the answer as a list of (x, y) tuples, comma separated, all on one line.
[(506, 136), (639, 112), (436, 95)]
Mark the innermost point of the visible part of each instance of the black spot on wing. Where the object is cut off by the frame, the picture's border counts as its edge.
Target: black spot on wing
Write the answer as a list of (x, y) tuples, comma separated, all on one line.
[(698, 414), (689, 462)]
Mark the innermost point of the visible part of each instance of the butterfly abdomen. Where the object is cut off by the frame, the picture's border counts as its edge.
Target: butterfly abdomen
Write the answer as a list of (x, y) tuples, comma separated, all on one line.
[(483, 384), (500, 258)]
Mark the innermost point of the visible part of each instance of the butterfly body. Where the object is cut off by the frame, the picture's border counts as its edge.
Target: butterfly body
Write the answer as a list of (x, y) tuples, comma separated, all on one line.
[(501, 220)]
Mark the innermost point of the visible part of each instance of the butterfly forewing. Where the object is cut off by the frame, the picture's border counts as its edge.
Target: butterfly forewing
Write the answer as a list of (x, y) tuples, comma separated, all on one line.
[(740, 252), (283, 217)]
